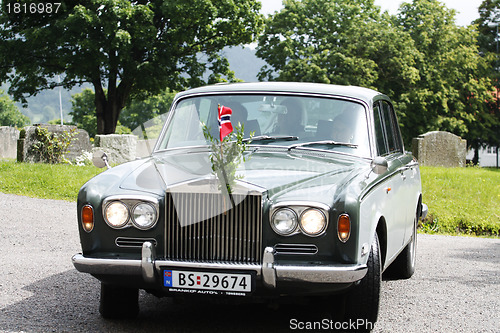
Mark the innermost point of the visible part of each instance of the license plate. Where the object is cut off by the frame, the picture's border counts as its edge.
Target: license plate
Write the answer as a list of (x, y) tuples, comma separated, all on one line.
[(210, 282)]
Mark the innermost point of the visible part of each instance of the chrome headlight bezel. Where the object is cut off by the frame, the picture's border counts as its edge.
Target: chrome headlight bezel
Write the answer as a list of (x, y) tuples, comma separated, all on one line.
[(322, 221), (131, 203), (293, 218), (301, 208), (112, 211), (153, 219)]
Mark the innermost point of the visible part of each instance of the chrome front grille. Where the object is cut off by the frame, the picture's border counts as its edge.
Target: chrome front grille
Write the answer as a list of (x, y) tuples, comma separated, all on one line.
[(198, 229)]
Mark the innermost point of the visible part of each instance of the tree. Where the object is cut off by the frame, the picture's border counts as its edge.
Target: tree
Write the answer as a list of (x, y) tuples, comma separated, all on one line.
[(83, 111), (138, 112), (123, 48), (489, 18), (430, 67), (135, 114), (488, 40), (338, 42), (453, 91), (307, 41), (10, 114)]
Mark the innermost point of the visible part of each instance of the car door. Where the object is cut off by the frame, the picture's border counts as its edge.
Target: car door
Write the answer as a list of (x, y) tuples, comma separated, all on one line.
[(410, 176), (389, 145)]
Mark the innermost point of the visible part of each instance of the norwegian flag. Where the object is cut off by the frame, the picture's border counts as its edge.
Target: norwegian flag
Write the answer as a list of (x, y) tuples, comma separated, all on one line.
[(225, 126)]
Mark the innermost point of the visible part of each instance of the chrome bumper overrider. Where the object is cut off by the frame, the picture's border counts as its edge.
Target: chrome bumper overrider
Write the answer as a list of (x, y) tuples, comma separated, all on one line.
[(269, 272)]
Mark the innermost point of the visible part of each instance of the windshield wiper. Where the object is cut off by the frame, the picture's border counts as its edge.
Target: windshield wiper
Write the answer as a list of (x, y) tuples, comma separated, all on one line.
[(324, 142), (271, 138)]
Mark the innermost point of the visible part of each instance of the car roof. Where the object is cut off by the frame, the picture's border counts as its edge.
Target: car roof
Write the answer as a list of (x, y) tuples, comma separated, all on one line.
[(360, 93)]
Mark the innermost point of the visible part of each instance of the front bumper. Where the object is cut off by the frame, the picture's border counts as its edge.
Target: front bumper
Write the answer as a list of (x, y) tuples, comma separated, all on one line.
[(270, 272)]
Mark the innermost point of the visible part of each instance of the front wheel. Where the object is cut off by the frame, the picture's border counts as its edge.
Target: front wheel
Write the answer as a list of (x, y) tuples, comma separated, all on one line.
[(118, 302), (362, 302)]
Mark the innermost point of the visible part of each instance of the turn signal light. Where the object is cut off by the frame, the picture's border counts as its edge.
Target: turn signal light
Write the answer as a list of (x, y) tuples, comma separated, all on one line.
[(88, 218), (344, 227)]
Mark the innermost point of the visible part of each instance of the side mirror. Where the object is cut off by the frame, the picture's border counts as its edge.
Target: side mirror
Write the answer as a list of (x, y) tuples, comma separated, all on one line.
[(100, 159), (379, 165)]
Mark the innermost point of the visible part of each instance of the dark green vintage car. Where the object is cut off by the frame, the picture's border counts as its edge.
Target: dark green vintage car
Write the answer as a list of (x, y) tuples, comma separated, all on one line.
[(324, 199)]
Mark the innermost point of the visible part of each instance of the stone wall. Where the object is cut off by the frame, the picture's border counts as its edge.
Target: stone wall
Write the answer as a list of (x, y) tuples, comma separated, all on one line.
[(119, 148), (440, 149), (8, 142), (27, 138)]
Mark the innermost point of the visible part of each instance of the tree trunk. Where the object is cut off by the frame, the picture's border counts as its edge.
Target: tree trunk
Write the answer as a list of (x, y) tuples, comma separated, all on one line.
[(475, 159), (108, 107)]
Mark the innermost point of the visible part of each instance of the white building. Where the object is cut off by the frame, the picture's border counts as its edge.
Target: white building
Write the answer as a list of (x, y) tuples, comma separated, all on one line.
[(488, 157)]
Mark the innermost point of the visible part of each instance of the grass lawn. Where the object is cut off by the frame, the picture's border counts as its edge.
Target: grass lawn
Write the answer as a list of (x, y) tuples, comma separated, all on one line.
[(460, 200), (47, 181)]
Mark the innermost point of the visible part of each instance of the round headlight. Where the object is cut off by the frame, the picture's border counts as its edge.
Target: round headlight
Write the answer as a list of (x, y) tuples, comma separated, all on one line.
[(312, 222), (116, 214), (284, 221), (144, 216)]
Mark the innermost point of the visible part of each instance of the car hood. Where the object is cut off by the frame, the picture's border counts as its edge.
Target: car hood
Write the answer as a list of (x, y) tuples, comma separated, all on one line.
[(284, 176)]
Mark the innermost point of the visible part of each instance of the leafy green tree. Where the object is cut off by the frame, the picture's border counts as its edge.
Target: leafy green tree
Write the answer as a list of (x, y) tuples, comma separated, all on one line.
[(453, 92), (308, 41), (83, 111), (133, 116), (339, 42), (489, 18), (123, 48), (10, 114), (138, 112), (429, 66)]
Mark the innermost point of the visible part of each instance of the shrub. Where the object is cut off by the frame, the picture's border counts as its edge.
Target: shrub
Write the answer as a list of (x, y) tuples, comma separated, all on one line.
[(50, 147)]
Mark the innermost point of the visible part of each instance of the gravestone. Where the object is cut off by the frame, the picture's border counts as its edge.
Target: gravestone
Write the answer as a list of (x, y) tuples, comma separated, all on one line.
[(119, 148), (440, 149), (8, 142), (27, 138)]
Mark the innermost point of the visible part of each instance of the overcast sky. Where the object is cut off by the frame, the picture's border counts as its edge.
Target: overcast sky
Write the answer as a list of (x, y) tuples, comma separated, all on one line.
[(466, 9)]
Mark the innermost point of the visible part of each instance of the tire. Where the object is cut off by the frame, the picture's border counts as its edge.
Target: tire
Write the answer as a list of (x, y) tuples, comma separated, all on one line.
[(362, 302), (118, 302), (404, 265)]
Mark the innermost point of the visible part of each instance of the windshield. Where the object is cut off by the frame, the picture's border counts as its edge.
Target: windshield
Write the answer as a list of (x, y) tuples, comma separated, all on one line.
[(302, 121)]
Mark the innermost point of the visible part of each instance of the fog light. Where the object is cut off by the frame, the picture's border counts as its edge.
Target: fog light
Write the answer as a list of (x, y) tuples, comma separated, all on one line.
[(313, 222), (87, 218), (116, 214), (344, 227), (284, 221)]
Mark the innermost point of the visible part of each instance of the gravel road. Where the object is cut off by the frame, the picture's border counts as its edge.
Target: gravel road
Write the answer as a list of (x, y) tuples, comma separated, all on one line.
[(456, 287)]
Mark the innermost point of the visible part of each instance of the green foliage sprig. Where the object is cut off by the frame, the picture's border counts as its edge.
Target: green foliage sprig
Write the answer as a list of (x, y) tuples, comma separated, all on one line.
[(50, 147), (227, 155)]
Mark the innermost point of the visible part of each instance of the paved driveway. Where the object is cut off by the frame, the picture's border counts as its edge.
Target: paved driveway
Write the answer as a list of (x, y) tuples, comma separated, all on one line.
[(456, 287)]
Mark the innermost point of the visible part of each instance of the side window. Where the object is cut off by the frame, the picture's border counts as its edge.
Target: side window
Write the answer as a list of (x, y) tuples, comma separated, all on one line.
[(379, 131), (386, 129), (391, 128)]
